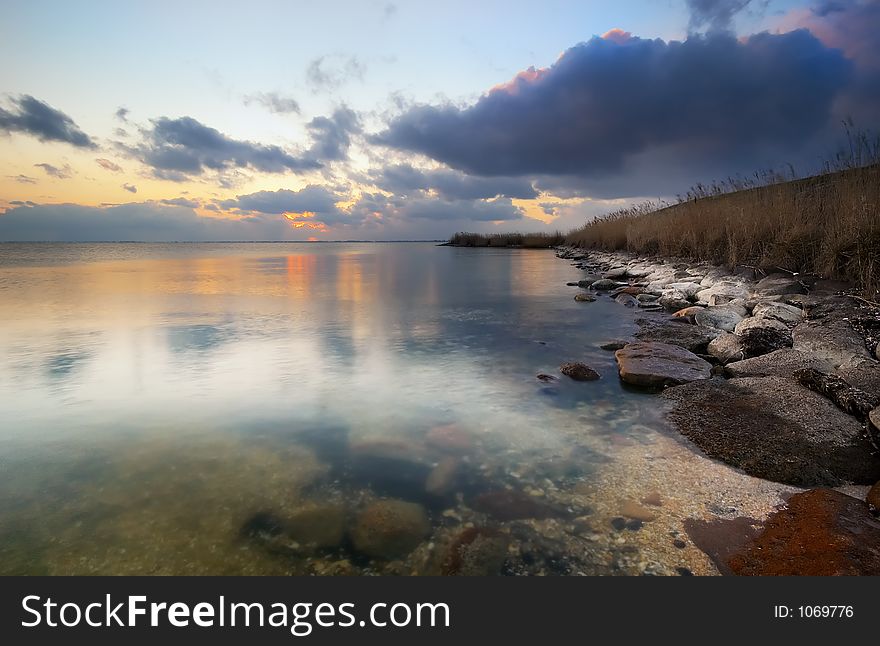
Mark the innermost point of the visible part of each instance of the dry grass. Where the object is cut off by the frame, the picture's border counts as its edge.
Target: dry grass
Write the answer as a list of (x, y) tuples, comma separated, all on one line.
[(524, 240)]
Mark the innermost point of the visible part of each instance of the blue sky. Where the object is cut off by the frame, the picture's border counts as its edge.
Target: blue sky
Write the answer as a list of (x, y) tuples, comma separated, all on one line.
[(379, 120)]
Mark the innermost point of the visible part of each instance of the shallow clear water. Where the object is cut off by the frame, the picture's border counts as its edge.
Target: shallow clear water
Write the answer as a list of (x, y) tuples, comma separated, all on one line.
[(161, 402)]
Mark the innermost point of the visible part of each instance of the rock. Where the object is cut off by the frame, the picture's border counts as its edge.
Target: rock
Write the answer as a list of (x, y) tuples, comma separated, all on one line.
[(778, 285), (688, 312), (726, 347), (873, 497), (508, 504), (656, 365), (476, 551), (680, 544), (547, 379), (632, 290), (584, 298), (832, 341), (452, 438), (584, 283), (626, 300), (443, 477), (779, 311), (773, 428), (673, 301), (760, 336), (820, 532), (690, 337), (654, 499), (635, 511), (617, 272), (874, 417), (722, 292), (605, 284), (646, 298), (849, 399), (780, 363), (720, 318), (613, 345), (618, 523), (573, 284), (393, 467), (689, 289), (317, 527), (390, 529), (578, 371), (261, 525)]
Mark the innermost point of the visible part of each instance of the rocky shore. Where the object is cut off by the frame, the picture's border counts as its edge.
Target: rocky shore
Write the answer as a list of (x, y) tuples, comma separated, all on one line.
[(774, 374)]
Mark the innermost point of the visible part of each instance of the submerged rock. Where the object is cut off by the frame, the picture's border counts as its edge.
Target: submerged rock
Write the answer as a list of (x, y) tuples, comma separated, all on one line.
[(317, 527), (509, 504), (579, 371), (476, 551), (635, 511), (655, 365), (821, 532), (390, 529), (452, 438), (444, 477), (773, 428), (584, 298), (545, 378)]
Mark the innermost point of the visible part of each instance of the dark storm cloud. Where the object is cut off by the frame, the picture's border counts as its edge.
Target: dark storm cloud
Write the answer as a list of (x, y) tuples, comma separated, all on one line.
[(315, 199), (177, 148), (274, 102), (53, 171), (450, 184), (39, 119), (714, 15), (607, 102), (331, 136)]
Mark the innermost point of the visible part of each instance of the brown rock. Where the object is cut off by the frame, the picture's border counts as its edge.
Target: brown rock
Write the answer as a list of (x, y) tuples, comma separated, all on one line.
[(655, 365), (389, 529), (821, 532), (443, 477), (578, 371), (317, 527), (635, 511), (654, 499), (873, 497), (508, 504), (584, 298), (477, 551), (452, 438)]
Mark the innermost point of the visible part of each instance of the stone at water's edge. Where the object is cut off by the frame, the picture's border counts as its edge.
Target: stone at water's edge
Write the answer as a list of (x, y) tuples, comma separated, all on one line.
[(780, 363), (655, 365), (779, 311), (773, 428), (694, 338), (578, 371), (389, 529), (605, 284), (584, 298), (720, 317), (821, 532)]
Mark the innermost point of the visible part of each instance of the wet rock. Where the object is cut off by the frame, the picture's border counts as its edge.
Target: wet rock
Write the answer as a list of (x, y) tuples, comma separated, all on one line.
[(613, 345), (545, 378), (390, 529), (618, 523), (605, 284), (579, 371), (821, 532), (262, 524), (688, 312), (721, 318), (721, 538), (626, 300), (476, 551), (444, 477), (584, 298), (680, 544), (391, 467), (632, 290), (584, 283), (778, 311), (509, 504), (656, 365), (452, 438), (317, 527), (683, 571), (646, 298), (779, 284), (634, 525), (572, 284), (726, 347), (677, 332), (773, 428), (673, 301), (635, 511), (760, 336)]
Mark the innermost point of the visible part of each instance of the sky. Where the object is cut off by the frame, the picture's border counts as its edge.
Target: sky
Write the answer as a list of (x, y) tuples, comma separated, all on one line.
[(373, 120)]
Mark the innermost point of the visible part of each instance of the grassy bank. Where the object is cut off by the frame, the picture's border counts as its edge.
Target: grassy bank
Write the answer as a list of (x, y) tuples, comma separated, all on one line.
[(827, 225), (524, 240)]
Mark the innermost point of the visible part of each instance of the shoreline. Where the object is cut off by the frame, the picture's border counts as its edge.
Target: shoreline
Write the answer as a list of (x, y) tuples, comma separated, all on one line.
[(774, 375)]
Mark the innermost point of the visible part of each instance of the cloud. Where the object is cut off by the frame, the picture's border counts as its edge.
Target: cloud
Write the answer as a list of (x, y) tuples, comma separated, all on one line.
[(53, 171), (312, 198), (329, 73), (106, 164), (715, 15), (331, 136), (610, 103), (122, 114), (23, 179), (274, 102), (389, 11), (40, 120), (179, 148), (181, 201), (131, 188), (450, 184)]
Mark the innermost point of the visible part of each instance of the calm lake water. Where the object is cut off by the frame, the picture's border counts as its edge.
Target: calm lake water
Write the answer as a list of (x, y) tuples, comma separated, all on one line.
[(234, 409)]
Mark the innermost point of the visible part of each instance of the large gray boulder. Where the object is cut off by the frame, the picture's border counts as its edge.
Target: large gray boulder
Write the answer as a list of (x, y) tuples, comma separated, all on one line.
[(656, 365), (778, 285), (774, 428), (779, 311), (761, 336), (679, 332), (726, 347), (721, 318)]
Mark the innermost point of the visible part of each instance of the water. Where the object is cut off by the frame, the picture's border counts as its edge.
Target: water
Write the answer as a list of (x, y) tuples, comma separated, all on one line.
[(179, 408)]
